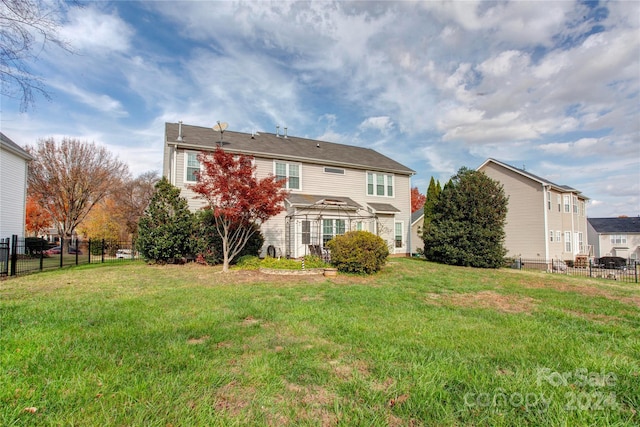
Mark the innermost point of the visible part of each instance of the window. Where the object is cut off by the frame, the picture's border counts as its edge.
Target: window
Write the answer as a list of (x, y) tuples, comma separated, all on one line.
[(549, 200), (359, 226), (567, 241), (289, 172), (558, 236), (618, 239), (334, 170), (332, 228), (575, 205), (567, 204), (192, 166), (583, 208), (399, 233), (379, 184), (558, 200), (306, 232), (551, 236), (581, 247)]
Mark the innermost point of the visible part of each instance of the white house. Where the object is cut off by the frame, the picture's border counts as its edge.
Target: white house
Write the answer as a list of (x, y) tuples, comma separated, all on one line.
[(615, 237), (333, 187), (13, 187)]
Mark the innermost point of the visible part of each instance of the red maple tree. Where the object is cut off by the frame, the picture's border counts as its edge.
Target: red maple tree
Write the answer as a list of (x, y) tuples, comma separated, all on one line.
[(237, 198), (417, 199)]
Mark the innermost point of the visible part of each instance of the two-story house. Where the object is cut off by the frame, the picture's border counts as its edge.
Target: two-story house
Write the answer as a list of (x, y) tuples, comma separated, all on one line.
[(333, 188), (14, 163), (544, 219), (615, 237)]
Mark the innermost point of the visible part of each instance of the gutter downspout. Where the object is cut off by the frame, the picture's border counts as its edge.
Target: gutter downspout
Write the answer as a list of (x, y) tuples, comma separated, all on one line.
[(545, 191)]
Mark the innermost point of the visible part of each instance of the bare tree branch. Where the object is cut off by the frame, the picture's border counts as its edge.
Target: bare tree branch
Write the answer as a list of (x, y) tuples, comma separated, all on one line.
[(71, 177), (27, 28)]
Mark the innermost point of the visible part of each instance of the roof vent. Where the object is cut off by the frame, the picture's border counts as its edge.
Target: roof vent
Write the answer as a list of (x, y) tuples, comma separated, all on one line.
[(285, 132), (277, 131), (179, 131)]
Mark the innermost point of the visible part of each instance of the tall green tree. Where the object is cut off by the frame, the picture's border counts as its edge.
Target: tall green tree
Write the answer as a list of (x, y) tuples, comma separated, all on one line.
[(166, 227), (433, 192), (468, 222)]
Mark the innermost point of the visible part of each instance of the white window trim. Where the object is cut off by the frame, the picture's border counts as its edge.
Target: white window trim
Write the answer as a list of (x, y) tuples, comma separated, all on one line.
[(402, 236), (288, 164), (387, 177), (186, 165)]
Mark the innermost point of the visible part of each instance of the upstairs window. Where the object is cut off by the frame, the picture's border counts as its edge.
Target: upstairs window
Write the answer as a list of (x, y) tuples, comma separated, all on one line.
[(334, 170), (575, 205), (549, 200), (191, 167), (567, 204), (379, 184), (618, 239), (289, 173)]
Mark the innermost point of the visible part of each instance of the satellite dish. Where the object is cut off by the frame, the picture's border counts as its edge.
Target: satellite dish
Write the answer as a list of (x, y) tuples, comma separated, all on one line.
[(220, 127)]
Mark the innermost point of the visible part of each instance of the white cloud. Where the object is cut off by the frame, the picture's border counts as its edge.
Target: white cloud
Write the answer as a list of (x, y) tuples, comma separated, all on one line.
[(99, 102), (90, 30), (382, 124)]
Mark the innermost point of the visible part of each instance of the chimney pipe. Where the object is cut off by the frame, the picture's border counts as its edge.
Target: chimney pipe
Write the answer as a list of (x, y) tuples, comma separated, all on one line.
[(277, 131), (179, 131), (285, 132)]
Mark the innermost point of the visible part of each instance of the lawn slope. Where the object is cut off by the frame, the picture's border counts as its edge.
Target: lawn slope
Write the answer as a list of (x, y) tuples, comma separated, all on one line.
[(416, 344)]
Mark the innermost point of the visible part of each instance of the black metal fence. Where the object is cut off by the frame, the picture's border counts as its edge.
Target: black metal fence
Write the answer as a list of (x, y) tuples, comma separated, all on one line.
[(19, 256), (627, 273)]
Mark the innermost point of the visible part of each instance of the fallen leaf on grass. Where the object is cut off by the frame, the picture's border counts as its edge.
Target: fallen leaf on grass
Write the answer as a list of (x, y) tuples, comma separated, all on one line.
[(31, 410), (398, 400)]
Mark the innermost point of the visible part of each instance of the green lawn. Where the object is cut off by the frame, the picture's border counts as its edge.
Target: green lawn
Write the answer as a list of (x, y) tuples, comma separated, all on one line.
[(417, 344)]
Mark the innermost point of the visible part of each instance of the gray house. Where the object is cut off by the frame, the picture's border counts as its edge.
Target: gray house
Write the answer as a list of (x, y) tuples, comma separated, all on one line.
[(13, 187), (334, 188), (615, 237)]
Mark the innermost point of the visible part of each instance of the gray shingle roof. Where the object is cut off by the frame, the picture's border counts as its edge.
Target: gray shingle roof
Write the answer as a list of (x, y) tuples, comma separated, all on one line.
[(298, 199), (615, 225), (383, 207), (290, 148), (536, 177), (416, 215)]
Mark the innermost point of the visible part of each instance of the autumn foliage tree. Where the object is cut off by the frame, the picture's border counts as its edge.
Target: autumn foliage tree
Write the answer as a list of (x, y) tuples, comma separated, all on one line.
[(69, 178), (240, 202), (38, 220), (417, 199)]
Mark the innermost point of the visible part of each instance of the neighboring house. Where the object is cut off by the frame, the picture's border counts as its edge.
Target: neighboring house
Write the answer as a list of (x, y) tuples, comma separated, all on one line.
[(544, 219), (417, 220), (333, 188), (615, 237), (14, 163)]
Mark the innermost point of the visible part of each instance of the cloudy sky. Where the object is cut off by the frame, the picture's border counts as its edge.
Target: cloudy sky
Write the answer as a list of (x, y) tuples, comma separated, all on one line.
[(553, 86)]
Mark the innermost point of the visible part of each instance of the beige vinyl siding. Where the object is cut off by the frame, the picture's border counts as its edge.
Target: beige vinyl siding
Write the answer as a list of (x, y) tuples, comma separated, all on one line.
[(525, 229), (352, 184), (314, 180)]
